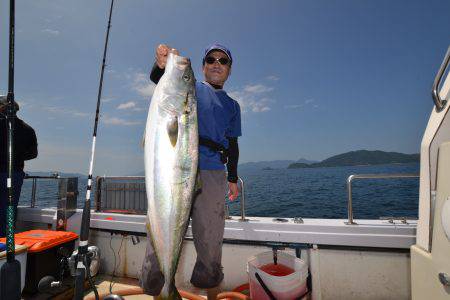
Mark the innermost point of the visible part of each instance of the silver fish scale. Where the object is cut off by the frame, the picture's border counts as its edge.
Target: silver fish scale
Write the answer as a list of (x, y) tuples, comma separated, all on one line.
[(171, 161)]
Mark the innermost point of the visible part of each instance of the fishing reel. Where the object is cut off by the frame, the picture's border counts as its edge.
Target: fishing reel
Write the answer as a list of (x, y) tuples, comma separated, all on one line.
[(93, 257), (69, 262)]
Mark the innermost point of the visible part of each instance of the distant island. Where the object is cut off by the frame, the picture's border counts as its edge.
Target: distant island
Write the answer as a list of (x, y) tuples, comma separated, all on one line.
[(353, 158), (360, 157), (267, 169), (271, 165)]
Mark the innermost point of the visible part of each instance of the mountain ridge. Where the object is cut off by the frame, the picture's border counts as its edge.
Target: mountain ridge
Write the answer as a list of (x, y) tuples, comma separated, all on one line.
[(361, 157)]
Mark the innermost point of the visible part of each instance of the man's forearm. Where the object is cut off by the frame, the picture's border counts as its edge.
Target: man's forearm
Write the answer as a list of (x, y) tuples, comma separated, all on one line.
[(233, 158), (156, 73)]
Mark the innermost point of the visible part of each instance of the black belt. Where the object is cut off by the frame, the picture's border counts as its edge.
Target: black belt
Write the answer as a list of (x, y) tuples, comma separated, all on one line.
[(216, 147)]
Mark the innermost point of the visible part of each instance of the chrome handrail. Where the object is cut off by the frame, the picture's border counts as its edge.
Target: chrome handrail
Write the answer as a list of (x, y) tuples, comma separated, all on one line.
[(369, 176), (440, 104), (33, 188), (242, 202), (243, 219)]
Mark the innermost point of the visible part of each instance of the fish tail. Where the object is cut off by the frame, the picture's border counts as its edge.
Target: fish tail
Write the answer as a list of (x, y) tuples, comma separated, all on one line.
[(169, 293)]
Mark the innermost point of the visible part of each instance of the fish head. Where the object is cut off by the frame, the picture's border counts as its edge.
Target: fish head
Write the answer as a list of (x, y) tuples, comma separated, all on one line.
[(179, 84)]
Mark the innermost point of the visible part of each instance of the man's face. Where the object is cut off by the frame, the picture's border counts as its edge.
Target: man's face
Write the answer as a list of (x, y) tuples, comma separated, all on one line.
[(216, 73)]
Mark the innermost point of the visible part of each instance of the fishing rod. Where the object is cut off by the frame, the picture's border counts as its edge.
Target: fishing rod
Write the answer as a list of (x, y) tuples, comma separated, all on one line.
[(10, 285), (83, 258)]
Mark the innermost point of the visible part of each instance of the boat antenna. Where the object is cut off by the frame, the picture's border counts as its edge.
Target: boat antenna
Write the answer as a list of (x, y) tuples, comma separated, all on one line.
[(83, 259), (10, 277)]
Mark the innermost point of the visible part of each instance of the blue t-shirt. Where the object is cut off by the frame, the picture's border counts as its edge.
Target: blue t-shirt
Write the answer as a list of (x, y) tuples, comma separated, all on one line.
[(219, 116)]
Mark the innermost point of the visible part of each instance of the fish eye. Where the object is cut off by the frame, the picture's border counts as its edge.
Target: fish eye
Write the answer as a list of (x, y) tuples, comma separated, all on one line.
[(186, 77)]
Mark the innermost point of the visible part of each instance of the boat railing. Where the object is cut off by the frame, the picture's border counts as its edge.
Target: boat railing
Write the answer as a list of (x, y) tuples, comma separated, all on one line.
[(353, 177), (121, 194), (438, 102), (67, 197), (242, 203), (243, 219), (34, 185), (126, 194)]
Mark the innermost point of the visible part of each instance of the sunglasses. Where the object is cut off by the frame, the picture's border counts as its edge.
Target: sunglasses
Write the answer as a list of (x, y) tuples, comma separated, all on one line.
[(223, 60)]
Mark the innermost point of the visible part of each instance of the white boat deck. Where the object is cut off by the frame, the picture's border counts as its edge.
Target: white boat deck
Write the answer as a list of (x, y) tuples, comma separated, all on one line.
[(367, 233)]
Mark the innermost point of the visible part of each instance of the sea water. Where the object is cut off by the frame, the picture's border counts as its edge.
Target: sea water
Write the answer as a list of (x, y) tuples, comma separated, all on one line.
[(306, 193)]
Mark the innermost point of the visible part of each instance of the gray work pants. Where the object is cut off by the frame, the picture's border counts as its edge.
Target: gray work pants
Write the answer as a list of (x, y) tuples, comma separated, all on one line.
[(208, 221)]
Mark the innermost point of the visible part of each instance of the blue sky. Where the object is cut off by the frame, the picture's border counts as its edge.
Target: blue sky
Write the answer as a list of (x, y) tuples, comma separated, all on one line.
[(314, 78)]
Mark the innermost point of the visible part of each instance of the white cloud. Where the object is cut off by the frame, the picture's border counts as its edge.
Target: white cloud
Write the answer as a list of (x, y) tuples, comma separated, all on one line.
[(50, 32), (254, 98), (135, 80), (80, 114), (310, 102), (127, 105), (142, 85), (138, 109), (260, 107), (130, 105), (107, 99), (118, 121), (293, 106), (257, 88), (65, 111), (52, 19), (273, 78)]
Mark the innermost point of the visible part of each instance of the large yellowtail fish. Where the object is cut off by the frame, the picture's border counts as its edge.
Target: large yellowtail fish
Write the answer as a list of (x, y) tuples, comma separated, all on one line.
[(171, 161)]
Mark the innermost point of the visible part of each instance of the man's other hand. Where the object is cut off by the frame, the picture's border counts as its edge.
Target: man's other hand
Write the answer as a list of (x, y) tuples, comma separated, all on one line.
[(161, 55), (233, 192)]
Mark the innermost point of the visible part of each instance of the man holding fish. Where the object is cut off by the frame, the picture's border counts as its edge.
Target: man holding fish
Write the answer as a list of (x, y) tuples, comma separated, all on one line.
[(219, 126)]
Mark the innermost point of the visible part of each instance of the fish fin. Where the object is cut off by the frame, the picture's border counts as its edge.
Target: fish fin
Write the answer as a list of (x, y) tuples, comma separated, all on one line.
[(172, 130), (143, 139)]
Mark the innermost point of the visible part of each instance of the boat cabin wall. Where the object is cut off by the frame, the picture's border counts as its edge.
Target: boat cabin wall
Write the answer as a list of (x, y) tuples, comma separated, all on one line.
[(436, 133), (336, 273)]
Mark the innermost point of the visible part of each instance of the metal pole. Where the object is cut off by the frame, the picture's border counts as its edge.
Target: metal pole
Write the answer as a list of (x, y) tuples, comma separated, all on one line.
[(350, 200), (368, 176), (440, 103), (243, 219), (33, 193)]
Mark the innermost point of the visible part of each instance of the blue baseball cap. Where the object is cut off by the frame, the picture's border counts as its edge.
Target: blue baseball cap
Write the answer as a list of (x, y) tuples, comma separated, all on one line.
[(217, 46)]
